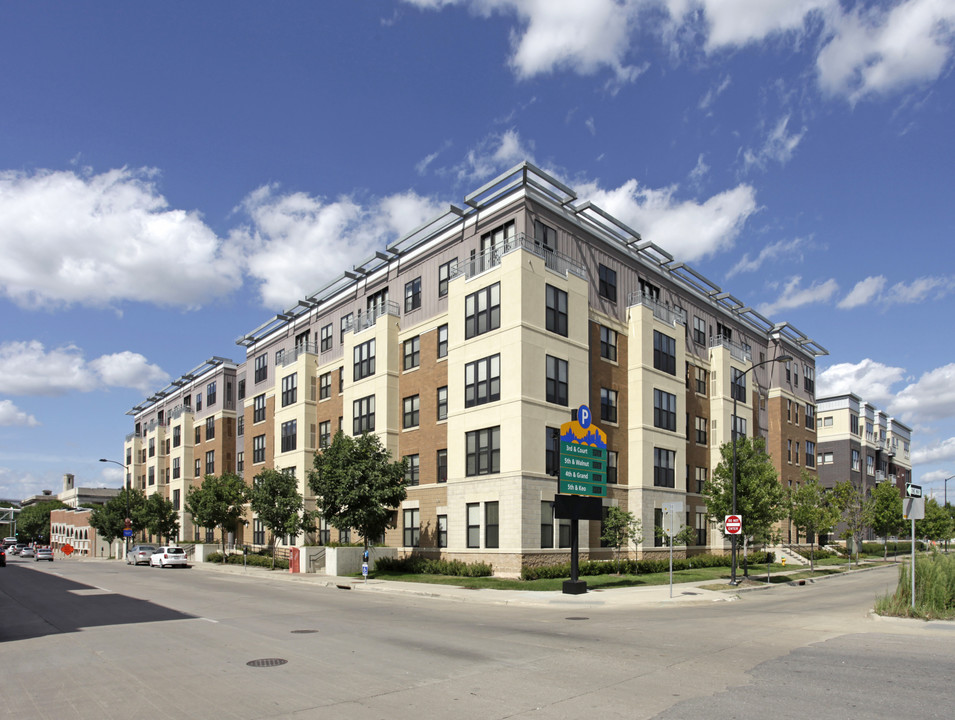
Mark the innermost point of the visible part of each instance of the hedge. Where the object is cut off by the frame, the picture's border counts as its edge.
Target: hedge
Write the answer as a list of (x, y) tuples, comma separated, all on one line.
[(256, 559), (417, 565), (638, 567)]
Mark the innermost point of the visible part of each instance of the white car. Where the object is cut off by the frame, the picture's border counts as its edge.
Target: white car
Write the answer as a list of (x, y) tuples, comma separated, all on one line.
[(168, 556), (27, 552)]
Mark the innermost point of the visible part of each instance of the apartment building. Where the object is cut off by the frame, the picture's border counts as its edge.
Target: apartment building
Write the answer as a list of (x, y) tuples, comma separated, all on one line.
[(465, 345)]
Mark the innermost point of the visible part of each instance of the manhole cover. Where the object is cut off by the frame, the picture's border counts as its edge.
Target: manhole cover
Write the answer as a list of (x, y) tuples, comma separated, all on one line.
[(266, 662), (577, 618), (303, 632)]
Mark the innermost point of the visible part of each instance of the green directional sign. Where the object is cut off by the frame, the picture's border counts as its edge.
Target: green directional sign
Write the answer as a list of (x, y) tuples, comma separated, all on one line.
[(583, 459)]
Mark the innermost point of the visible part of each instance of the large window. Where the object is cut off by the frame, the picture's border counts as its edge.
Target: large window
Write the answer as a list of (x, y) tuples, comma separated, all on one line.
[(491, 524), (664, 352), (363, 415), (700, 380), (240, 426), (210, 428), (547, 524), (700, 477), (612, 467), (483, 451), (552, 450), (699, 331), (482, 311), (608, 343), (258, 408), (442, 465), (442, 403), (324, 433), (412, 353), (412, 469), (347, 323), (556, 310), (607, 283), (497, 239), (444, 276), (608, 405), (258, 532), (326, 338), (738, 426), (258, 449), (738, 384), (411, 415), (664, 410), (664, 462), (809, 377), (810, 453), (413, 295), (701, 423), (364, 356), (210, 462), (152, 447), (325, 386), (442, 341), (442, 531), (474, 525), (176, 468), (211, 394), (482, 381), (289, 435), (176, 437), (289, 389), (556, 381), (810, 417), (412, 527), (261, 367), (856, 464)]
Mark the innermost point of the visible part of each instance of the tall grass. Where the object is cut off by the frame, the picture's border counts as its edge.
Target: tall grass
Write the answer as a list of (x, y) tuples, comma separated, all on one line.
[(934, 590)]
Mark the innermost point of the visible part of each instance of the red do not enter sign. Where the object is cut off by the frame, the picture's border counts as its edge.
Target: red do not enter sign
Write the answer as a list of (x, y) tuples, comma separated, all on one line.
[(733, 524)]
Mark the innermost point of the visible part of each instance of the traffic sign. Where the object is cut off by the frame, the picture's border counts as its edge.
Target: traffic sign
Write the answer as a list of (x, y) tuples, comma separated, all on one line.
[(913, 508), (128, 532), (733, 524), (913, 491), (67, 549), (671, 518), (583, 457)]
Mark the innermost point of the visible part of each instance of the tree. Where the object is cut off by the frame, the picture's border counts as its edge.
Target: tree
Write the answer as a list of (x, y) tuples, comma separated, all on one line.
[(760, 499), (218, 502), (33, 522), (276, 501), (937, 524), (620, 528), (856, 511), (109, 519), (812, 511), (886, 517), (160, 516), (357, 485)]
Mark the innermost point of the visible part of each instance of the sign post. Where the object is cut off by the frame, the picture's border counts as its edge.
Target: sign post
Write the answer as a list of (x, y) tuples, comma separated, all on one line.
[(913, 508), (670, 525)]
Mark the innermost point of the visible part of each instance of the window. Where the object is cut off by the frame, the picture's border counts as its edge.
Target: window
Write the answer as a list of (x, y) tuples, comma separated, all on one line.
[(289, 435), (699, 331), (176, 499), (176, 437), (413, 295), (240, 461), (649, 289), (442, 466), (556, 381), (869, 465), (611, 467), (825, 458), (261, 367), (240, 426), (198, 434), (258, 532), (608, 405), (346, 324), (856, 464), (700, 380), (152, 447), (289, 389), (325, 386), (556, 313), (608, 343), (258, 449), (198, 402), (496, 240), (724, 332), (412, 407), (810, 453), (658, 536), (443, 341), (176, 468), (547, 524), (664, 410), (491, 524), (211, 394), (363, 415), (152, 476), (545, 237), (483, 451), (701, 475), (664, 462), (738, 426), (444, 276), (210, 462), (738, 385), (443, 403), (412, 470), (324, 433), (376, 302), (789, 451), (442, 531), (258, 408), (811, 418), (789, 411), (482, 381), (210, 428), (198, 467), (664, 352), (701, 423), (474, 525), (482, 311), (412, 527), (607, 283), (552, 451), (326, 338), (796, 453), (241, 391), (364, 356), (701, 528), (412, 354), (809, 378)]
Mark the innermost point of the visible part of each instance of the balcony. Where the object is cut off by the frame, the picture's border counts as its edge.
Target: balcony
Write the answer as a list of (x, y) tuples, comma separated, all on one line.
[(664, 313), (737, 351), (491, 258), (370, 317), (290, 356)]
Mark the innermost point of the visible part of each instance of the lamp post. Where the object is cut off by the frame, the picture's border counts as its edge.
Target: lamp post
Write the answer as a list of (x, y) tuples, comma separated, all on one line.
[(126, 491), (781, 358)]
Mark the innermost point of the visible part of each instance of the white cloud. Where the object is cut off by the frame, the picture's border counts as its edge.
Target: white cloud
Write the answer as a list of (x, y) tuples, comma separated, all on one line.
[(774, 251), (714, 92), (495, 154), (931, 397), (863, 293), (794, 295), (297, 242), (687, 229), (943, 451), (27, 368), (79, 238), (877, 51), (869, 379), (700, 170), (11, 415), (778, 146)]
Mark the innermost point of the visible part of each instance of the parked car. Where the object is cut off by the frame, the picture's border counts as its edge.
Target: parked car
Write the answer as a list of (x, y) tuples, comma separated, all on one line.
[(43, 553), (27, 552), (140, 554), (18, 548), (168, 556)]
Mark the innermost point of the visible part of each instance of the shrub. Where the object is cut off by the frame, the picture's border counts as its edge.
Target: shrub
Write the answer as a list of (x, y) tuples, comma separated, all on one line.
[(934, 590), (258, 559), (637, 567), (418, 565)]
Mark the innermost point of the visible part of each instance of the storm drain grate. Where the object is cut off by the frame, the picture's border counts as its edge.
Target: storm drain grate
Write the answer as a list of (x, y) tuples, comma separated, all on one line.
[(303, 632), (266, 662)]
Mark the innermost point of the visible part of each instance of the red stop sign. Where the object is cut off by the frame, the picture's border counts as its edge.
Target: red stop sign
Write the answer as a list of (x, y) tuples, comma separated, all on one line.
[(733, 524)]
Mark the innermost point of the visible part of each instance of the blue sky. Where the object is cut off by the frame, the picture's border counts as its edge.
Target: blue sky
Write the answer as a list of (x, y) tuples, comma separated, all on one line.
[(173, 174)]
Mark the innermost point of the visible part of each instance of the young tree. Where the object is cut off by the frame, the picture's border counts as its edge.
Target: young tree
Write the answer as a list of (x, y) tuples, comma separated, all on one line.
[(160, 517), (276, 501), (812, 512), (357, 485), (937, 524), (760, 499), (109, 519), (620, 528), (856, 512), (217, 502), (33, 522), (886, 513)]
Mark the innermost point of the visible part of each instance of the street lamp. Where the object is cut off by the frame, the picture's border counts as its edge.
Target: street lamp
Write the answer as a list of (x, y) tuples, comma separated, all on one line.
[(781, 358), (126, 488)]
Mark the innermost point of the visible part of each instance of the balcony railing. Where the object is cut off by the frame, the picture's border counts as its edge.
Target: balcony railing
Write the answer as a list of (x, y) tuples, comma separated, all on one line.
[(370, 317), (737, 351), (491, 258), (664, 313), (290, 356)]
